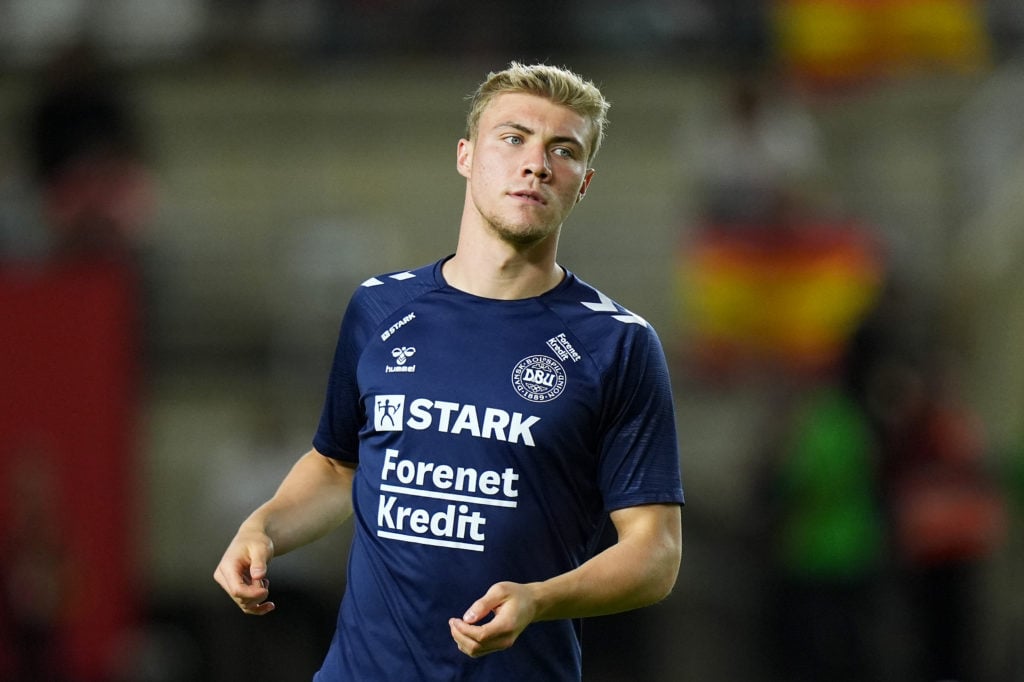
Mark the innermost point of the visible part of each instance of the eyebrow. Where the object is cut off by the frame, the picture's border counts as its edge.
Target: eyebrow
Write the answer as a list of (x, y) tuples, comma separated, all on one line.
[(559, 139)]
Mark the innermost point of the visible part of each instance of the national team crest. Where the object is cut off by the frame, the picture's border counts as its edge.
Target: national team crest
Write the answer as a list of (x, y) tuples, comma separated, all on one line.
[(538, 378)]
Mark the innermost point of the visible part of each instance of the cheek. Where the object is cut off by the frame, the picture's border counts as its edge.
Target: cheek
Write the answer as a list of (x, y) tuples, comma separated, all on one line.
[(573, 192), (486, 173), (481, 185)]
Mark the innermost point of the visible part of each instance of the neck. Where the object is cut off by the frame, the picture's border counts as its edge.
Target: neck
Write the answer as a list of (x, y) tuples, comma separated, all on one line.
[(503, 271)]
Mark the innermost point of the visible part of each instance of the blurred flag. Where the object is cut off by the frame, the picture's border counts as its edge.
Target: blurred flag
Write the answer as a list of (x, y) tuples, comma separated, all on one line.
[(829, 44), (788, 298)]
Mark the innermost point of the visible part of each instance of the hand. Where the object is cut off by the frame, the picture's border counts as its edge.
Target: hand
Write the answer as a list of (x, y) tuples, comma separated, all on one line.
[(242, 572), (513, 606)]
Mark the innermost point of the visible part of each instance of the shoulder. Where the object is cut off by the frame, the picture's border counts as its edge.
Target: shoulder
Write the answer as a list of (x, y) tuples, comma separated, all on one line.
[(383, 298), (382, 294), (600, 327), (587, 308), (401, 284)]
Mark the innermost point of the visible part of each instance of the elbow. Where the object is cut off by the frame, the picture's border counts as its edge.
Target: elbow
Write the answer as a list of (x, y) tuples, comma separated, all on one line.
[(664, 573), (652, 539), (657, 589), (667, 581), (671, 559), (665, 587)]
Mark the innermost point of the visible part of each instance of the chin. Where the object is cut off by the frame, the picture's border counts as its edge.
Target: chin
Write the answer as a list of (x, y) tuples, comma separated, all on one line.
[(523, 235)]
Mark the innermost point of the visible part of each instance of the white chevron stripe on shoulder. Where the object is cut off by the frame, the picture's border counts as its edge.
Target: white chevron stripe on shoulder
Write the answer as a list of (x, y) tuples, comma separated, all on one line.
[(631, 318), (607, 305), (398, 277)]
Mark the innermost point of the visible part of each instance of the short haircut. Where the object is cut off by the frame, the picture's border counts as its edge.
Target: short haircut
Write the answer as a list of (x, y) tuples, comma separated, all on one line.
[(556, 84)]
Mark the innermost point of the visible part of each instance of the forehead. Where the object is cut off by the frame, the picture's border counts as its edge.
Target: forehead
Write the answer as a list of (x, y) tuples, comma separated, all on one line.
[(534, 112)]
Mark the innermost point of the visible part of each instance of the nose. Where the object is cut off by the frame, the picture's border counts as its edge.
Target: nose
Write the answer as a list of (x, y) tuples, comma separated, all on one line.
[(537, 164)]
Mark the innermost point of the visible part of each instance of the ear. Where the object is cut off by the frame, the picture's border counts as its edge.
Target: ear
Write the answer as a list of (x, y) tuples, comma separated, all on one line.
[(464, 157), (587, 177)]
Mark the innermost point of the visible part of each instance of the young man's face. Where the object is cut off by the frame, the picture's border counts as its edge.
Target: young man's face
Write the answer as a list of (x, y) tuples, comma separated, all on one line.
[(527, 167)]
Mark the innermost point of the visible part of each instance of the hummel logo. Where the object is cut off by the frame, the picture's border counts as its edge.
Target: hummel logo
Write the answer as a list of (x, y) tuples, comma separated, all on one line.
[(607, 305), (402, 354)]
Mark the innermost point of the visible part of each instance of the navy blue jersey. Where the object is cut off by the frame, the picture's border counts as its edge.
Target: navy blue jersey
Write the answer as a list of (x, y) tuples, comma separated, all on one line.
[(492, 439)]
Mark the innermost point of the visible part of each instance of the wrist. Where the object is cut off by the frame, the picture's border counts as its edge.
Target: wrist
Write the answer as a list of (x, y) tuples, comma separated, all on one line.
[(542, 599), (254, 528)]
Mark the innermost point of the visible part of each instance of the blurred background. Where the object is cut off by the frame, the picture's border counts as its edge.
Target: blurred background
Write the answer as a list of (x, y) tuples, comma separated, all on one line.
[(818, 204)]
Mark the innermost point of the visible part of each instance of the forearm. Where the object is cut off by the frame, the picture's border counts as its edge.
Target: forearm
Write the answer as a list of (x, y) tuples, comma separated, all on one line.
[(313, 499), (640, 569)]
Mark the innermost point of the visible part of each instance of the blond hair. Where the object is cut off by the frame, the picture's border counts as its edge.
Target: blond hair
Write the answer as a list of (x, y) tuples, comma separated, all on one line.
[(559, 85)]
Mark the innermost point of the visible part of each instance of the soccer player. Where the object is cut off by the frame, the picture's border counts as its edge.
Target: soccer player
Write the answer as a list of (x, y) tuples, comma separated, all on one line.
[(485, 415)]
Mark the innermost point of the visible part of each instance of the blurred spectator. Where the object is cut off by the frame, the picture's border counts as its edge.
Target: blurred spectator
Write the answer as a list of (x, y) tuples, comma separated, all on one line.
[(946, 514), (827, 537), (86, 151), (759, 159), (67, 570), (769, 280)]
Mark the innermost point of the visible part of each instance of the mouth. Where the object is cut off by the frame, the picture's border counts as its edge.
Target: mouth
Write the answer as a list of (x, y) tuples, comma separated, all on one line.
[(530, 196)]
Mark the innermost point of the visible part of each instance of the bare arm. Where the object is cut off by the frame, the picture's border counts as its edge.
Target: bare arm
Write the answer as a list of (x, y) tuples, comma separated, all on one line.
[(638, 570), (313, 499)]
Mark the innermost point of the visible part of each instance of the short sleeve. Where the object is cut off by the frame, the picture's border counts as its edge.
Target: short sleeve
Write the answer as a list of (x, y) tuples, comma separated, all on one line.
[(342, 416), (639, 456)]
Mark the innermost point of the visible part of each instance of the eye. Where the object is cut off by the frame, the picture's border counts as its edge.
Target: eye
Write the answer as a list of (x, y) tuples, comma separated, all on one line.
[(565, 152), (514, 139)]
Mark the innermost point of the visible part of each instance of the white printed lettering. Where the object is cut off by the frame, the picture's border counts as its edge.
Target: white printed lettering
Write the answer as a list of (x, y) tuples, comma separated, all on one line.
[(392, 412), (446, 409), (444, 477), (495, 422), (419, 411), (458, 525), (467, 421), (538, 377), (520, 428), (453, 522), (489, 483), (386, 334)]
